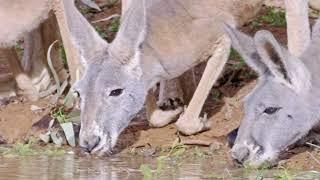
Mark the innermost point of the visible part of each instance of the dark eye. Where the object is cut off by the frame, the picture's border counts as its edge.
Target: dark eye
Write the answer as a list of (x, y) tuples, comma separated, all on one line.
[(76, 93), (271, 110), (116, 92)]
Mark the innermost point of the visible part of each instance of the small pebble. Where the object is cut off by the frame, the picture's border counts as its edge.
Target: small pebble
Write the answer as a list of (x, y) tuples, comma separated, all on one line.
[(215, 146), (35, 108), (70, 152)]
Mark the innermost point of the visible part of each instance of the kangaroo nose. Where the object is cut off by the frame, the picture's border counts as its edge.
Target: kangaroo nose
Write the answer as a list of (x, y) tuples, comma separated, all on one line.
[(240, 154), (90, 143)]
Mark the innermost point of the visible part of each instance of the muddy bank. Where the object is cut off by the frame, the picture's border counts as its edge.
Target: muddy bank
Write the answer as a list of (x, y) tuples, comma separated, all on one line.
[(17, 117)]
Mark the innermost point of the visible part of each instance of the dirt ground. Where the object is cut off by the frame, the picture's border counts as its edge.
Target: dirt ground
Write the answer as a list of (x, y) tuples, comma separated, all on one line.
[(223, 105)]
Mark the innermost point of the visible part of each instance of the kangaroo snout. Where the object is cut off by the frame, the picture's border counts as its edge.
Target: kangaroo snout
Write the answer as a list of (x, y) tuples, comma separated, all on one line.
[(240, 154), (251, 153), (88, 143)]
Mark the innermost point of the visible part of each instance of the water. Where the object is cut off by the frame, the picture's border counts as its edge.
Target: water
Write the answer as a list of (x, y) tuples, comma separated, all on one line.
[(71, 166), (66, 167)]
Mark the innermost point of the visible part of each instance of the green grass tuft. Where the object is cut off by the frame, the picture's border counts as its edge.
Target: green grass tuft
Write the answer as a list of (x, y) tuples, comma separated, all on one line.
[(114, 25), (146, 171), (101, 32), (273, 17), (60, 115), (235, 56)]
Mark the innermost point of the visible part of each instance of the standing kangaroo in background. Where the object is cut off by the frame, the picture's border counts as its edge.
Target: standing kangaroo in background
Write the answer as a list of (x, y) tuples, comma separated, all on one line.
[(31, 21), (22, 19), (17, 19), (157, 40)]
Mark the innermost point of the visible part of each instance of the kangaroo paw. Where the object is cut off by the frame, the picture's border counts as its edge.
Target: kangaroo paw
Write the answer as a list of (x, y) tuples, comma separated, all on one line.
[(167, 112), (189, 125)]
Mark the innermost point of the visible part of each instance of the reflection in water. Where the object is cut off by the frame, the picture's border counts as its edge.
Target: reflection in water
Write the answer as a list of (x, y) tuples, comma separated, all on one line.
[(75, 167), (119, 167), (65, 167)]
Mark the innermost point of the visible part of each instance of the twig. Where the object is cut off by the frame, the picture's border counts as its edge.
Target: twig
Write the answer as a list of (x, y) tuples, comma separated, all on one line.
[(137, 123), (107, 18), (53, 71), (313, 145), (314, 158), (227, 170), (196, 142)]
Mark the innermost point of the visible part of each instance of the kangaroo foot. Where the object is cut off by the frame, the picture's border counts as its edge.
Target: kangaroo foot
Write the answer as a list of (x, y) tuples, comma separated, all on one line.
[(167, 112), (189, 125)]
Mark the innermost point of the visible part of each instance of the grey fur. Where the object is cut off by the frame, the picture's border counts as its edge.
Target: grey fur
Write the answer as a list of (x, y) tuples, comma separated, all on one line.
[(19, 17), (286, 83), (157, 40)]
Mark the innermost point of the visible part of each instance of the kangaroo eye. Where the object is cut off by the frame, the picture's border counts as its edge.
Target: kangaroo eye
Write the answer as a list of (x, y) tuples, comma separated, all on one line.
[(116, 92), (271, 110), (76, 93)]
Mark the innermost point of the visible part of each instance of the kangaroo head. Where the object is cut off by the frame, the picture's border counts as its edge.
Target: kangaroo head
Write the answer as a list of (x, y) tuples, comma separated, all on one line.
[(279, 111), (111, 89), (111, 94)]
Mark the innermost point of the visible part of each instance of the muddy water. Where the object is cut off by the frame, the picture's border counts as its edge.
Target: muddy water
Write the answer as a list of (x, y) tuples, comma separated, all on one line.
[(73, 167), (128, 167)]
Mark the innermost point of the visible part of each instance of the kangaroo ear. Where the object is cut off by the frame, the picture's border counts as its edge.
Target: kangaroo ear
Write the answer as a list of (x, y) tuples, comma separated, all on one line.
[(313, 49), (316, 30), (244, 45), (127, 45), (285, 67), (83, 36)]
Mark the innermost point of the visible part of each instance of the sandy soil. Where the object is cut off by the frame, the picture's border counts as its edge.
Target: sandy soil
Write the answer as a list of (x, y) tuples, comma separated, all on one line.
[(17, 118)]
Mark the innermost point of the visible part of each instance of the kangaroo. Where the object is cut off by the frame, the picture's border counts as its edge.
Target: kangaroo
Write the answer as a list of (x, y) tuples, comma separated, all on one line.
[(22, 20), (18, 19), (157, 40), (283, 107)]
